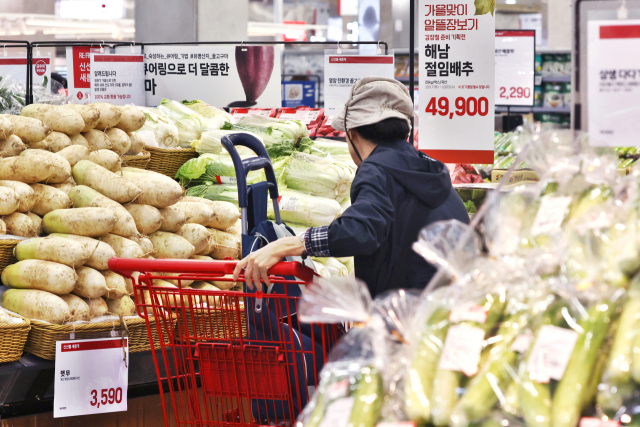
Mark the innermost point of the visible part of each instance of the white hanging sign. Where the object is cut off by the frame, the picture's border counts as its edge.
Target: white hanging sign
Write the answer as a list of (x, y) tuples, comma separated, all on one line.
[(515, 67), (117, 79)]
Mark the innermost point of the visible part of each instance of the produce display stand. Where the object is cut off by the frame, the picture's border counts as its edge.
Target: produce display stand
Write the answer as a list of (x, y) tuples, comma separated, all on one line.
[(213, 370)]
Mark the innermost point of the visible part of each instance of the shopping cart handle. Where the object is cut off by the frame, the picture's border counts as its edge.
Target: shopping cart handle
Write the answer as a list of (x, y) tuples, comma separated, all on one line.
[(126, 266)]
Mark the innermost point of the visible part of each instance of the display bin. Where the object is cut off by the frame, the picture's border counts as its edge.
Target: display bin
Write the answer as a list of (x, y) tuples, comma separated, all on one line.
[(6, 252), (13, 337), (167, 161), (140, 160), (43, 336)]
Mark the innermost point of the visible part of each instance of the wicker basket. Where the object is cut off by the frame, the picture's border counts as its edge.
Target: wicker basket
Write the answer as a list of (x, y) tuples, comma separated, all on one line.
[(167, 161), (43, 336), (13, 336), (6, 252), (140, 161)]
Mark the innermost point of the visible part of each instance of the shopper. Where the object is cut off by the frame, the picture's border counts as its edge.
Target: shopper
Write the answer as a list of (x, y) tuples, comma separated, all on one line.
[(396, 192)]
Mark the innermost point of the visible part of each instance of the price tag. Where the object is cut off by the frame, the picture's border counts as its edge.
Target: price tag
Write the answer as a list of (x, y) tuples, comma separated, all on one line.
[(91, 377), (550, 214), (338, 413), (287, 203), (515, 67), (613, 81), (79, 73), (341, 72), (457, 80), (461, 351), (551, 353), (117, 79), (468, 312), (226, 180)]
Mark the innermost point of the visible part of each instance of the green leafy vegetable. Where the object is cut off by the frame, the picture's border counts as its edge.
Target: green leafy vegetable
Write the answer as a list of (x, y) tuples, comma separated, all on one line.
[(485, 6)]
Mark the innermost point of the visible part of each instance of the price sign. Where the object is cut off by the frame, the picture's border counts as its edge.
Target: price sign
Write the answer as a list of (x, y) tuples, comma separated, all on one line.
[(78, 69), (341, 72), (515, 67), (91, 377), (117, 79), (17, 68), (457, 80), (613, 82)]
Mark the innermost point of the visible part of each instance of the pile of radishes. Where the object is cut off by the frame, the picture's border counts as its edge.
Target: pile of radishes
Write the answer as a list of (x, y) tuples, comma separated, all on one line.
[(61, 177)]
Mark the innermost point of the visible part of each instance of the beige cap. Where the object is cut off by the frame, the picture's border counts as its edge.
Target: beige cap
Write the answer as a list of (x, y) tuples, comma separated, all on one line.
[(372, 100)]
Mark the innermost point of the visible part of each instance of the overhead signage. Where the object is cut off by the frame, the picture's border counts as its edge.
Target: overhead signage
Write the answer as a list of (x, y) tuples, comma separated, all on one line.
[(342, 71), (117, 79), (515, 68), (613, 82), (223, 76), (17, 68), (457, 80)]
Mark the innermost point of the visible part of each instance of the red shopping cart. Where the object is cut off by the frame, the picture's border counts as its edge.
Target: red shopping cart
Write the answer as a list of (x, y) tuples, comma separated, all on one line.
[(225, 360)]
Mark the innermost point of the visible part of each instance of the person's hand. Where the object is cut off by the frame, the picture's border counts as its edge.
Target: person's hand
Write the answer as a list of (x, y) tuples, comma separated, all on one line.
[(257, 264)]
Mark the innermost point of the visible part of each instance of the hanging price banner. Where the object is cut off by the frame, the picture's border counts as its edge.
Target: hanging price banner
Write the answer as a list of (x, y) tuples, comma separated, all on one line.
[(17, 68), (457, 80), (613, 82), (117, 79), (515, 67), (91, 377)]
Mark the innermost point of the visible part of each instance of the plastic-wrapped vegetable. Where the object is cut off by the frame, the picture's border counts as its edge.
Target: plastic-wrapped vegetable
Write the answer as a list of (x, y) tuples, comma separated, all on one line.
[(212, 169), (210, 142), (158, 131), (189, 123), (271, 131)]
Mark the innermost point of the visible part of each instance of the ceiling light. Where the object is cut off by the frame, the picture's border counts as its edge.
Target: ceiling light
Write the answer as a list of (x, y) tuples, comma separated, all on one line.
[(510, 1)]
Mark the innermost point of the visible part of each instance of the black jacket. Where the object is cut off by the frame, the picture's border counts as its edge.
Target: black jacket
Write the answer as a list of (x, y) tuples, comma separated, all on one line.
[(396, 192)]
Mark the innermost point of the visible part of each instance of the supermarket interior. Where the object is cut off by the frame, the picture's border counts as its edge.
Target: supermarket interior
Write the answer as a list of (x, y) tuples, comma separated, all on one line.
[(320, 213)]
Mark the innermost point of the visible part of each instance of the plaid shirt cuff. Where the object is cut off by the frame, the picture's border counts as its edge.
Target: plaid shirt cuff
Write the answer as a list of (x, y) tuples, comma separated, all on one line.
[(316, 241)]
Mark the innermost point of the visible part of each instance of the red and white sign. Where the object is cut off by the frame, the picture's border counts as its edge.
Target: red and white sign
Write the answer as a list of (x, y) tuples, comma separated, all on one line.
[(515, 63), (78, 73), (341, 72), (239, 113), (91, 377), (117, 79), (613, 82), (457, 80), (17, 68)]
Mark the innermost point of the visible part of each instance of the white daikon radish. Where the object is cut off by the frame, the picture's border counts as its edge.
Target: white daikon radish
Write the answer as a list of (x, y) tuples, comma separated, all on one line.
[(131, 119), (147, 218), (198, 236), (124, 248), (55, 249), (116, 286), (226, 213), (196, 213), (137, 144), (100, 251), (42, 275), (124, 306), (35, 304), (57, 117), (29, 130), (90, 115), (225, 245), (120, 142), (29, 169), (97, 307), (37, 223), (85, 197), (66, 186), (109, 115), (62, 168), (9, 201), (55, 142), (6, 128), (158, 190), (171, 246), (97, 140), (105, 182), (79, 140), (49, 199), (90, 222), (145, 244), (172, 219), (74, 153), (25, 194), (12, 146), (78, 308), (19, 224), (107, 159)]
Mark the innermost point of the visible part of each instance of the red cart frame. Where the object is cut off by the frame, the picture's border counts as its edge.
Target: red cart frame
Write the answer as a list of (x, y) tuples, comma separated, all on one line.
[(224, 362)]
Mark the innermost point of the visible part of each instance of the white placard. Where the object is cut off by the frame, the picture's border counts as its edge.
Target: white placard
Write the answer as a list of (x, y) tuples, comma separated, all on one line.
[(342, 71), (614, 82), (223, 76), (91, 377), (117, 79), (551, 353), (515, 68), (17, 68), (457, 79), (550, 214), (287, 203), (462, 348)]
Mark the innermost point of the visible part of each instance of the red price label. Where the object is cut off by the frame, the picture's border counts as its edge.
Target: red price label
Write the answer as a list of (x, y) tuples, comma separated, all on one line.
[(108, 396), (515, 92), (463, 107)]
